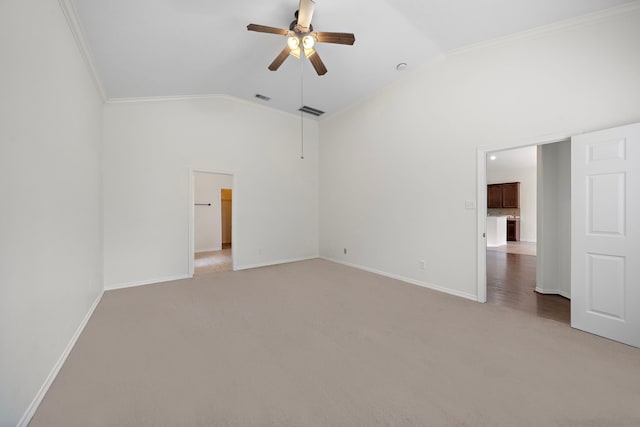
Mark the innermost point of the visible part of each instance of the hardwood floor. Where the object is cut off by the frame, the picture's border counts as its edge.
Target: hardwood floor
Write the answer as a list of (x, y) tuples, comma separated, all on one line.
[(511, 282)]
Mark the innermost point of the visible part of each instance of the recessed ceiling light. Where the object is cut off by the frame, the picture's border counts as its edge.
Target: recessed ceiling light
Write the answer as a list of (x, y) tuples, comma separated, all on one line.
[(493, 157), (401, 66)]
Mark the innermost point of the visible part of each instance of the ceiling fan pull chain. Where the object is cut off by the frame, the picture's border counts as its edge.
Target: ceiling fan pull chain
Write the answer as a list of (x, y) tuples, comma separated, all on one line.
[(301, 105)]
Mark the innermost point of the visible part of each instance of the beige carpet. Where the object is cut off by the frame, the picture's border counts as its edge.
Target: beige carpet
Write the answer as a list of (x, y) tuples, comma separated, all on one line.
[(319, 344)]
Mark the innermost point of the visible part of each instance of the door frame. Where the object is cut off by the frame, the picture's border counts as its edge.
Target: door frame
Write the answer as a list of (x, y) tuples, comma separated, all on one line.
[(481, 204), (192, 211)]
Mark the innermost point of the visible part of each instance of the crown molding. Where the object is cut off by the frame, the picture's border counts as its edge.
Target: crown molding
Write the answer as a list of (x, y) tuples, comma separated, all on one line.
[(76, 29), (70, 14), (487, 44), (207, 97), (167, 98), (549, 28)]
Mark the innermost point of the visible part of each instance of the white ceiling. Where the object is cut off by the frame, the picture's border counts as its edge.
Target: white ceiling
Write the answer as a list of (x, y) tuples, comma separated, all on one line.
[(152, 48), (517, 158)]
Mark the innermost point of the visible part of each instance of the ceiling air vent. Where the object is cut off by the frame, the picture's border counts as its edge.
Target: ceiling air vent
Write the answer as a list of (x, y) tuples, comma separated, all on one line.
[(264, 98), (310, 110)]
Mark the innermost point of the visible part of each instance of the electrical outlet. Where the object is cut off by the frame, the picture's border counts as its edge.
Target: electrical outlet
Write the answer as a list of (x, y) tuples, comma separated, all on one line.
[(422, 264), (345, 251)]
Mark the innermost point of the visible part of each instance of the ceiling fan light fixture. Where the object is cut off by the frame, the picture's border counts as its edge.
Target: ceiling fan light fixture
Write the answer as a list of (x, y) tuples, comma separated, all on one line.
[(301, 35), (308, 41), (293, 43), (295, 52)]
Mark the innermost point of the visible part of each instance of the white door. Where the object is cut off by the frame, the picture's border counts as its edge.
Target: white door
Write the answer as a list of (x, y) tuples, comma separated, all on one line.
[(605, 233)]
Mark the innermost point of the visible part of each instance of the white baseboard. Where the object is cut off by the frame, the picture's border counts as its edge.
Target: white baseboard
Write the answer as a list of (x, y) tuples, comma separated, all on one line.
[(31, 410), (145, 282), (267, 264), (407, 280), (565, 294)]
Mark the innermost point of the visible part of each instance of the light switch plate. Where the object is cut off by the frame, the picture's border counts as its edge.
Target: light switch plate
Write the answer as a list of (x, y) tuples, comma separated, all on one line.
[(469, 204)]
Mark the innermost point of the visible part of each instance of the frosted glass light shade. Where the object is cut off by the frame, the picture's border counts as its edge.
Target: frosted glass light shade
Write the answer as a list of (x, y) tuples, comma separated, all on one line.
[(293, 43), (308, 42)]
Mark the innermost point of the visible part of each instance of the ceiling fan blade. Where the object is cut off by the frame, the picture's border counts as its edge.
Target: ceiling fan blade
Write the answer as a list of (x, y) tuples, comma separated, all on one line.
[(305, 13), (338, 38), (266, 29), (280, 59), (317, 63)]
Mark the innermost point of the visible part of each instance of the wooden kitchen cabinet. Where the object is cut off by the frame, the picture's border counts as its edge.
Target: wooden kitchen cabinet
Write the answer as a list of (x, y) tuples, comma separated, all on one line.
[(511, 195), (513, 230), (503, 195), (494, 196)]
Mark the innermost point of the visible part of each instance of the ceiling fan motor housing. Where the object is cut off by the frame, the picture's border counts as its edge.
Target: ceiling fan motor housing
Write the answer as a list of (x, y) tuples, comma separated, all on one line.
[(297, 29)]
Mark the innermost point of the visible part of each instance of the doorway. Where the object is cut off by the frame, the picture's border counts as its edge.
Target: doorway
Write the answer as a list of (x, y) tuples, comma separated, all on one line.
[(211, 248), (595, 265), (523, 249)]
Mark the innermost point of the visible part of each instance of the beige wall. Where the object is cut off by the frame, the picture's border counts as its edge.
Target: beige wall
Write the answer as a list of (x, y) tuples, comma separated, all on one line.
[(554, 213), (150, 149), (397, 169), (51, 203)]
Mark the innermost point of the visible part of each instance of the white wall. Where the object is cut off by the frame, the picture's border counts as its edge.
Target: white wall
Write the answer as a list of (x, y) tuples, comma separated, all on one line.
[(208, 219), (554, 214), (396, 169), (149, 150), (527, 177), (50, 203)]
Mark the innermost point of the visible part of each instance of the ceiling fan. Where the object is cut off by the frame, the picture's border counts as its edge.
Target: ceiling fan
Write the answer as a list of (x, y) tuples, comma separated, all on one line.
[(302, 38)]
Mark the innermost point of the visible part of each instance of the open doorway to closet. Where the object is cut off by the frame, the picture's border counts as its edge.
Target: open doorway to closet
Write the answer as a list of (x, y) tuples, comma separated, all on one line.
[(212, 223), (527, 229)]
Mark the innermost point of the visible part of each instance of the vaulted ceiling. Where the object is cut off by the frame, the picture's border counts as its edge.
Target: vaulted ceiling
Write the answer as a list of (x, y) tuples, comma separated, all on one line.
[(151, 48)]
